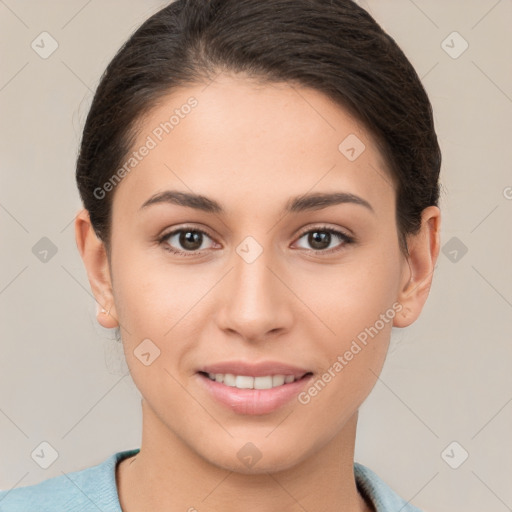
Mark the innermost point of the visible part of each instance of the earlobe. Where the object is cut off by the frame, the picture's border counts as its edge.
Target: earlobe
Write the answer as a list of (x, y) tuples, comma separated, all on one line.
[(417, 278), (93, 253)]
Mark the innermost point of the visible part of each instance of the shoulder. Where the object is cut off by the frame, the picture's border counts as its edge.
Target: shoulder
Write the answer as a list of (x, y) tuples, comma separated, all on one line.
[(93, 488), (377, 492)]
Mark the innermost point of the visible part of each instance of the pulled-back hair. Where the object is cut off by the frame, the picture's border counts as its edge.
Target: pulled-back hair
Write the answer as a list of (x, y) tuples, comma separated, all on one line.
[(333, 46)]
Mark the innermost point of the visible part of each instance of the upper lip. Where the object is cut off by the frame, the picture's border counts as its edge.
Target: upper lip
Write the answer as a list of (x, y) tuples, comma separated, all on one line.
[(255, 369)]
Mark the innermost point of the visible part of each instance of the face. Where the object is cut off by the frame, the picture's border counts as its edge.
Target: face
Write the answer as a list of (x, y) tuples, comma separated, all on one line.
[(255, 275)]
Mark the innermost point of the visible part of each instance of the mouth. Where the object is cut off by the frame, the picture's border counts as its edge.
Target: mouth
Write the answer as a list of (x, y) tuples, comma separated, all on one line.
[(252, 395), (249, 382)]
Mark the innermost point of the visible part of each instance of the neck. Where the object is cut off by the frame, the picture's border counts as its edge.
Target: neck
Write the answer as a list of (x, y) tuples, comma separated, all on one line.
[(167, 475)]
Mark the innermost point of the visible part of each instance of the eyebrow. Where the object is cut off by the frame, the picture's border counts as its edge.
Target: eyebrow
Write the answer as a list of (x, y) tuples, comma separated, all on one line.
[(305, 202)]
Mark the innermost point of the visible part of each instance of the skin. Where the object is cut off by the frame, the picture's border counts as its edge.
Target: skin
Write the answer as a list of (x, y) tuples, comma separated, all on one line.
[(251, 147)]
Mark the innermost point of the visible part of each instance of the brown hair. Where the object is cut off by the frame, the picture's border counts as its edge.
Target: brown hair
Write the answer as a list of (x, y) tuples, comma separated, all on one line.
[(333, 46)]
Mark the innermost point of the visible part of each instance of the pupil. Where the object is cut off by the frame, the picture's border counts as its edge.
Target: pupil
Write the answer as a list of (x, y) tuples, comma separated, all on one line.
[(319, 239), (186, 240)]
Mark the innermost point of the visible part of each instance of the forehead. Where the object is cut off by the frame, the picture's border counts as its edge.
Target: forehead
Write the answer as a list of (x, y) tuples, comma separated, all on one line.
[(235, 137)]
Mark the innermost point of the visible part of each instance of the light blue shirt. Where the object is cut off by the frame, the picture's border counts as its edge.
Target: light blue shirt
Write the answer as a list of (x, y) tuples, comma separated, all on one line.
[(94, 489)]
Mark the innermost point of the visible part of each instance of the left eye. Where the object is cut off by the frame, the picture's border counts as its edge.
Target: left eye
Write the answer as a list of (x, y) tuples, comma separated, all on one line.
[(189, 239), (320, 239)]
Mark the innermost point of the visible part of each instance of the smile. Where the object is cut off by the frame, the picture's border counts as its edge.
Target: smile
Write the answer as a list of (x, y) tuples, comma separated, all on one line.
[(248, 395), (248, 382)]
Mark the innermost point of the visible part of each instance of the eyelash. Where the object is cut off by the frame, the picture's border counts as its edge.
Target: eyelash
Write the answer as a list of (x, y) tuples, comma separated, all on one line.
[(346, 239)]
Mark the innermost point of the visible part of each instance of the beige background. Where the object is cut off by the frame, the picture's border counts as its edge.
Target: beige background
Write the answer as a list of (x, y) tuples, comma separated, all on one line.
[(447, 377)]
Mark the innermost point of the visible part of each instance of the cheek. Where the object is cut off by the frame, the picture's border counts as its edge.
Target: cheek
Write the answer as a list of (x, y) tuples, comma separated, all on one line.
[(355, 306), (350, 297), (161, 309), (153, 296), (357, 316)]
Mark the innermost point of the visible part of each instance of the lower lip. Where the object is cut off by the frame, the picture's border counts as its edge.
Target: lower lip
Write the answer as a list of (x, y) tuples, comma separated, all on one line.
[(253, 401)]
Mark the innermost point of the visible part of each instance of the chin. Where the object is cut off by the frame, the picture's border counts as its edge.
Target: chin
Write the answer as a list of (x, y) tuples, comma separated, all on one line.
[(245, 457)]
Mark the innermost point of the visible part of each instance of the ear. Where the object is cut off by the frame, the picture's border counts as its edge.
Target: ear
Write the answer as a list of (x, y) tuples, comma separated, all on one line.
[(419, 268), (94, 255)]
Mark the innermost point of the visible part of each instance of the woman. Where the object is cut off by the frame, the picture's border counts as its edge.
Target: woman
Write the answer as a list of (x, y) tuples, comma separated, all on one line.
[(260, 192)]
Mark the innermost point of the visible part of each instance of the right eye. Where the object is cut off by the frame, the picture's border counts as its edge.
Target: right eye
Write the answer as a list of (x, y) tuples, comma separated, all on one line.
[(190, 239)]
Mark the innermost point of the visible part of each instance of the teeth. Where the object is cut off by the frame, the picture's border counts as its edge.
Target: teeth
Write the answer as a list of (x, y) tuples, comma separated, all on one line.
[(247, 382)]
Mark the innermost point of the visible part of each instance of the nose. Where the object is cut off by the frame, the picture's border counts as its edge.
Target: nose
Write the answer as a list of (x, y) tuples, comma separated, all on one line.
[(255, 302)]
